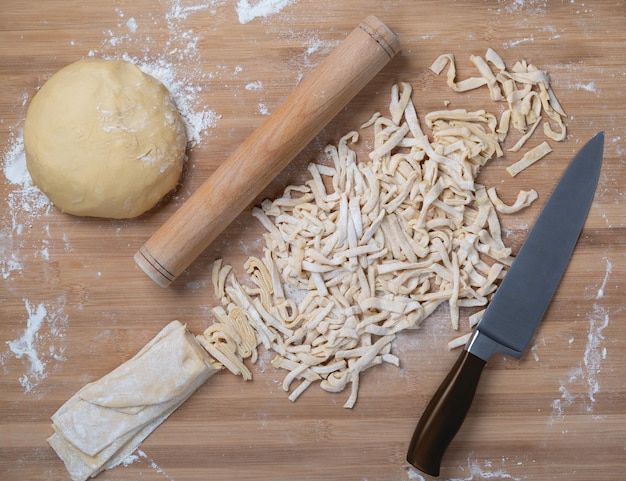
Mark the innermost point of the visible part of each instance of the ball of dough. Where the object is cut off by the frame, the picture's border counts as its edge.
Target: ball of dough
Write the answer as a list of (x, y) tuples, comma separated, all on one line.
[(104, 139)]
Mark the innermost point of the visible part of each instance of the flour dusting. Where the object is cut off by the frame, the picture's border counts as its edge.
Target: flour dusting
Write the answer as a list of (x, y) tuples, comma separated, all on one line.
[(26, 202), (132, 25), (589, 86), (595, 353), (132, 458), (585, 376), (37, 347), (197, 120), (414, 475), (264, 109), (174, 66), (180, 11), (609, 269), (258, 85), (527, 7), (41, 343), (249, 10), (15, 169), (478, 471), (138, 457), (515, 43)]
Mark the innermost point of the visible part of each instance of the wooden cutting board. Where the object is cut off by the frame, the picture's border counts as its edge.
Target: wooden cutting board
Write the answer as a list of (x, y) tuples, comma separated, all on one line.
[(74, 306)]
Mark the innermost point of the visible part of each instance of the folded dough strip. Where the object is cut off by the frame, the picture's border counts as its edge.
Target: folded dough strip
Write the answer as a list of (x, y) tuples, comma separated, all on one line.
[(107, 419)]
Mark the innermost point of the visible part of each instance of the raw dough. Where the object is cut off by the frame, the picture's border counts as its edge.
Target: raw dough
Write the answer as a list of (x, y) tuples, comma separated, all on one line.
[(103, 139), (106, 420)]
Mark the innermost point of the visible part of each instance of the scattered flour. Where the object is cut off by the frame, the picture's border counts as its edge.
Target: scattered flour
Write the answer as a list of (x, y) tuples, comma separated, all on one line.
[(479, 472), (248, 10), (313, 45), (609, 269), (595, 353), (25, 202), (25, 346), (14, 164), (263, 109), (197, 121), (138, 457), (258, 85), (132, 458), (527, 7), (179, 11), (589, 86), (40, 344), (515, 43), (174, 66), (10, 261), (585, 376), (132, 25), (415, 475)]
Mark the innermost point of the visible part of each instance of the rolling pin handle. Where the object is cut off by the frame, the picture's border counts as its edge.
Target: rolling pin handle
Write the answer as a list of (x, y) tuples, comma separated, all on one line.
[(261, 157), (153, 269)]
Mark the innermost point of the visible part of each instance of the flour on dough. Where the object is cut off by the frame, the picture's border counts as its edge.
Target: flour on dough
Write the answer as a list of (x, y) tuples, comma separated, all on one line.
[(107, 419), (104, 139)]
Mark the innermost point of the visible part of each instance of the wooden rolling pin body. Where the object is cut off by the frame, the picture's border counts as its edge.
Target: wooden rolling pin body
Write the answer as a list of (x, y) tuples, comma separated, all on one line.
[(237, 182)]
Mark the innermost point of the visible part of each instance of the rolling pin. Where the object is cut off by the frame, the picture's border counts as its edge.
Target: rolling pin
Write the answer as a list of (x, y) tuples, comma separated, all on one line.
[(261, 157)]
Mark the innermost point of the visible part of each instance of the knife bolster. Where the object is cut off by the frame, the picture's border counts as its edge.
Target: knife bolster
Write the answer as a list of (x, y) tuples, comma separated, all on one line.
[(483, 346)]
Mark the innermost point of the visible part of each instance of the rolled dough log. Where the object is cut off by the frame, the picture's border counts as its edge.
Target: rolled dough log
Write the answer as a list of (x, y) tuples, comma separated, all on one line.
[(106, 420), (104, 139)]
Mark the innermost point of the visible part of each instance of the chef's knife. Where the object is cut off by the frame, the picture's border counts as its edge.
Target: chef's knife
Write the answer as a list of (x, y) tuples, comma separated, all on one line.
[(509, 323)]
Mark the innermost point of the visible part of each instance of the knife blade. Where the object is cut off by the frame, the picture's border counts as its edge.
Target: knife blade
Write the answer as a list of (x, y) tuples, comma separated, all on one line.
[(516, 309)]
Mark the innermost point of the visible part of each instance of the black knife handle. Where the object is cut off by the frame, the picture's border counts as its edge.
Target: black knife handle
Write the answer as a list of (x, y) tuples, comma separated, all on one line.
[(445, 414)]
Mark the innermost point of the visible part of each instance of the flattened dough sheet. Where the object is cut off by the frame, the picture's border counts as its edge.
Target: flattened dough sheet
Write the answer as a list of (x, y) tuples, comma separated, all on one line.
[(107, 419)]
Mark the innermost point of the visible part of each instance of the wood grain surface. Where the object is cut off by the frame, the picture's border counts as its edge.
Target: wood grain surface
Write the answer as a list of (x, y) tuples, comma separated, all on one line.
[(73, 305)]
